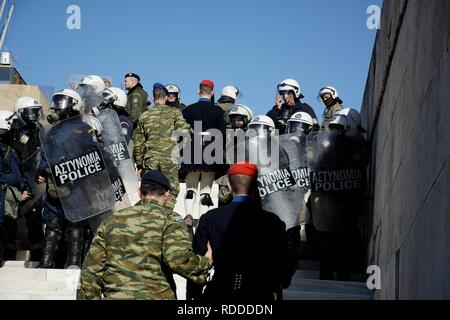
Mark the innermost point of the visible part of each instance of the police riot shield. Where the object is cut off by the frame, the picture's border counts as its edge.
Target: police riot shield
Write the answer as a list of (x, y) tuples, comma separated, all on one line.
[(91, 99), (337, 174), (77, 169), (278, 161), (295, 146), (113, 143)]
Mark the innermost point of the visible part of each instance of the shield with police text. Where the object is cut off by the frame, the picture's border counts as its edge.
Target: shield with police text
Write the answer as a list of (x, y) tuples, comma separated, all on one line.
[(337, 174), (280, 175), (121, 167), (77, 168)]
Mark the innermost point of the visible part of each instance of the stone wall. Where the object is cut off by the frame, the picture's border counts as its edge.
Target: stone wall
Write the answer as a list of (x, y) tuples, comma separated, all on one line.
[(406, 108)]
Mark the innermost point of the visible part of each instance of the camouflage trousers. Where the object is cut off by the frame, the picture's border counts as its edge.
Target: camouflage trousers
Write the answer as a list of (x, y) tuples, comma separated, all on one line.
[(170, 170)]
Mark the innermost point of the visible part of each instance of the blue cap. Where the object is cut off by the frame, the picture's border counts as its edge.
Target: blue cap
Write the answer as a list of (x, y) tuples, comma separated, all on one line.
[(159, 85), (154, 176)]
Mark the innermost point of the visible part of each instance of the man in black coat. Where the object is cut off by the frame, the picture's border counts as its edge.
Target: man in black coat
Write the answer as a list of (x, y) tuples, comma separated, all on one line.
[(287, 103), (249, 244), (202, 117)]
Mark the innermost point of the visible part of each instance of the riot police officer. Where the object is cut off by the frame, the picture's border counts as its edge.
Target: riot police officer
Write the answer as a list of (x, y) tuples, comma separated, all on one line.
[(329, 96), (287, 103), (65, 105), (174, 97), (239, 117), (337, 198), (116, 99), (228, 99), (12, 184), (299, 126), (29, 112)]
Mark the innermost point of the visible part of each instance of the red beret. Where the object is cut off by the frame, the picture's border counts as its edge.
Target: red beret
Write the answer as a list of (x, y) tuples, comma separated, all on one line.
[(207, 83), (245, 168)]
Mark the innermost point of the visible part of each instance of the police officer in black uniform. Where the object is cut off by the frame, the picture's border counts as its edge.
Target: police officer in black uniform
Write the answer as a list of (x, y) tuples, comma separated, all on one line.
[(287, 103), (12, 185)]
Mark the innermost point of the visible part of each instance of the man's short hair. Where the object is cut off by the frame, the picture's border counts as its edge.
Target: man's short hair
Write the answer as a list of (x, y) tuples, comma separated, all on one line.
[(242, 184), (205, 90), (159, 93), (152, 189)]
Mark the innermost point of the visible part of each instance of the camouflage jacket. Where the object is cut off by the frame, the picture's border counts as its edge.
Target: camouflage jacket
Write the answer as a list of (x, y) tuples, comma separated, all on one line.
[(328, 115), (136, 103), (154, 132), (179, 105), (126, 254)]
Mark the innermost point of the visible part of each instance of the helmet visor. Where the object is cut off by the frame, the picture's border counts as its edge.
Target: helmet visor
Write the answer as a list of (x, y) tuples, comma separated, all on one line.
[(238, 121), (259, 130), (31, 114), (298, 127), (62, 102), (108, 96)]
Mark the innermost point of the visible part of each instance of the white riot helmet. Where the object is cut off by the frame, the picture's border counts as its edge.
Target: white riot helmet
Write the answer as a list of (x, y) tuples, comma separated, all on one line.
[(262, 125), (300, 122), (116, 96), (290, 85), (6, 120), (243, 111), (347, 120), (93, 81), (65, 99), (172, 88), (332, 91), (231, 92), (28, 108)]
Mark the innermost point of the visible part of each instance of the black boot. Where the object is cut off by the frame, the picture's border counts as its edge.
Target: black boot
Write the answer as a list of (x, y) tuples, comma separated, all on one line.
[(35, 233), (189, 195), (10, 250), (53, 233), (206, 200), (74, 238)]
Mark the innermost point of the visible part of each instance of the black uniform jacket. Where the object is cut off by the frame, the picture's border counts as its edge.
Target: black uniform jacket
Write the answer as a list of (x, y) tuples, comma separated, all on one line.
[(249, 252)]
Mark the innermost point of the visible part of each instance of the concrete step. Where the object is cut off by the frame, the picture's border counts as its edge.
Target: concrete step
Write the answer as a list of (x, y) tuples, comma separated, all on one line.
[(314, 289), (19, 280)]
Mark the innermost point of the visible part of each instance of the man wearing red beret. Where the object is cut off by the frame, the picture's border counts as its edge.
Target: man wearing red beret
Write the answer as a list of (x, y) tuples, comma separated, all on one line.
[(207, 116), (249, 244)]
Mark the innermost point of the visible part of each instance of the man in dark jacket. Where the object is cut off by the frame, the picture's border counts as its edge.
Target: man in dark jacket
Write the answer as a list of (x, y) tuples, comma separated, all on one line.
[(137, 98), (202, 117), (287, 103), (249, 244)]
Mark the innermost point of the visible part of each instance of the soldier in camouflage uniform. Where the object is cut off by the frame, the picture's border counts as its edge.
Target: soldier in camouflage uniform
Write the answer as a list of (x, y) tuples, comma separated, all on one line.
[(126, 256), (330, 97), (137, 98), (153, 142)]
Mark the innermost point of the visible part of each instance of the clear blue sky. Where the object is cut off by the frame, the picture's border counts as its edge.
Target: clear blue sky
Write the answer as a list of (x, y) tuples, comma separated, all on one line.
[(251, 44)]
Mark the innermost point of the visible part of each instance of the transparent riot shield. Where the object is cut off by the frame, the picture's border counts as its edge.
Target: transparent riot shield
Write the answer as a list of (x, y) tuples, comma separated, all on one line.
[(295, 146), (112, 141), (91, 99), (78, 170), (337, 174), (278, 189)]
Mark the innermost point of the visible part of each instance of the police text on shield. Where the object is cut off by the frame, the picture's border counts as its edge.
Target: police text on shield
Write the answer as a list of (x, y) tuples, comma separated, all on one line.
[(78, 168)]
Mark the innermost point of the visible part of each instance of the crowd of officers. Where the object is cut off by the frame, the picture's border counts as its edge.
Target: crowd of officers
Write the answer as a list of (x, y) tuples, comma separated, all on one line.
[(133, 253)]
